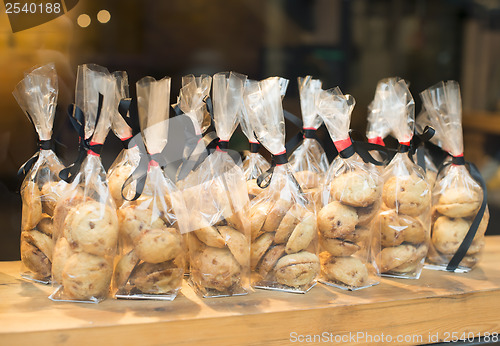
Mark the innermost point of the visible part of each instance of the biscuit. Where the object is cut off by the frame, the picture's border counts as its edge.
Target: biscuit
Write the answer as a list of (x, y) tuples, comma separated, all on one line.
[(414, 262), (63, 207), (157, 278), (258, 214), (124, 268), (46, 225), (269, 259), (307, 179), (40, 240), (92, 227), (470, 261), (276, 214), (336, 220), (158, 245), (259, 248), (237, 243), (459, 202), (302, 235), (409, 195), (50, 194), (392, 257), (215, 268), (349, 271), (360, 235), (32, 206), (476, 246), (209, 235), (297, 269), (483, 225), (238, 221), (367, 214), (62, 252), (35, 260), (448, 234), (253, 189), (287, 225), (134, 219), (338, 247), (356, 188), (391, 231), (86, 277), (116, 180)]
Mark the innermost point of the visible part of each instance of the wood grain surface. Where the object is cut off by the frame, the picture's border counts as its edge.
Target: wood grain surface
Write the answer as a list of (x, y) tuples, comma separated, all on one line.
[(401, 311)]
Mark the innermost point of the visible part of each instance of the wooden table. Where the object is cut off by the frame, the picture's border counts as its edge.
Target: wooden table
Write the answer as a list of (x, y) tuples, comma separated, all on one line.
[(415, 311)]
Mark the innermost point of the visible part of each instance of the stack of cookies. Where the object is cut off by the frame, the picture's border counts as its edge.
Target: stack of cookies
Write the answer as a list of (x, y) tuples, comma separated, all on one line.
[(152, 249), (37, 228), (353, 199), (284, 243), (84, 251), (403, 222), (453, 212), (219, 249)]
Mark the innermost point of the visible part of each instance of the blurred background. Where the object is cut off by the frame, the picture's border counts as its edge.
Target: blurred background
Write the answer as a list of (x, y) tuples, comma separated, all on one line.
[(352, 44)]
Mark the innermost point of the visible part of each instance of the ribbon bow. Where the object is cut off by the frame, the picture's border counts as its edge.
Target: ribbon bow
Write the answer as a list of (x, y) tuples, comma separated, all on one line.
[(348, 147), (42, 145), (294, 142), (86, 146), (140, 174)]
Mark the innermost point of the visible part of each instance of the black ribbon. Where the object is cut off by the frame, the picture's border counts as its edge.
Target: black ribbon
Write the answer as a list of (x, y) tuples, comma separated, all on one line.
[(264, 179), (77, 119), (469, 237), (363, 150), (42, 145), (294, 142), (192, 160), (254, 147), (140, 174)]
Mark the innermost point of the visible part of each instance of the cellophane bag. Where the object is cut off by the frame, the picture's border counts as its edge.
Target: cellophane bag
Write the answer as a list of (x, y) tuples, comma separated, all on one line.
[(308, 161), (284, 251), (85, 220), (219, 243), (404, 220), (152, 249), (192, 101), (128, 159), (41, 188), (422, 156), (456, 196), (350, 199), (254, 164), (378, 125)]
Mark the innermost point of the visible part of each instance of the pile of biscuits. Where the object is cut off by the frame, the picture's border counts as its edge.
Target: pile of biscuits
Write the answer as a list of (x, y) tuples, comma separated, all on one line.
[(404, 235), (284, 244), (345, 235), (86, 231), (152, 249), (37, 227), (452, 216)]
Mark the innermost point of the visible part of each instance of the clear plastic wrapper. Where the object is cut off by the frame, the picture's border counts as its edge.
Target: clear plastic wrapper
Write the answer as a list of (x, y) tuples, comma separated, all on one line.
[(404, 220), (422, 156), (308, 161), (350, 199), (379, 115), (128, 159), (284, 251), (152, 252), (41, 188), (192, 101), (219, 243), (457, 196), (254, 164), (85, 220)]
